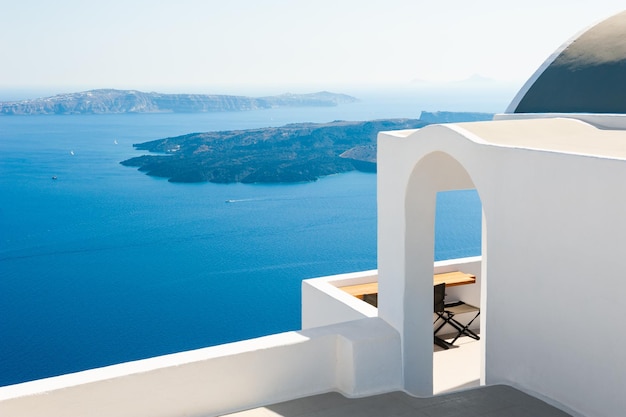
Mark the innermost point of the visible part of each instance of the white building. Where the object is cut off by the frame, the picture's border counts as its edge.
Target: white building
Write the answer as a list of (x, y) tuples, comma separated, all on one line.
[(551, 176)]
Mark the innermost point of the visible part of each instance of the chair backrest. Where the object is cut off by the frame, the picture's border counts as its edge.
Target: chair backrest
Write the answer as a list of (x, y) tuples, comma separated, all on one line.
[(439, 297)]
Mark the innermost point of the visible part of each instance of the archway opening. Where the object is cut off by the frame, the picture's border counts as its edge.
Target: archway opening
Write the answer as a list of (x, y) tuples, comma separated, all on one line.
[(457, 262), (432, 178)]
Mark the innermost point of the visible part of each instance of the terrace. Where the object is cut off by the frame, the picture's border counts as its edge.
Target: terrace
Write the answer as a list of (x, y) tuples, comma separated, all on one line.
[(338, 333), (326, 302), (493, 401)]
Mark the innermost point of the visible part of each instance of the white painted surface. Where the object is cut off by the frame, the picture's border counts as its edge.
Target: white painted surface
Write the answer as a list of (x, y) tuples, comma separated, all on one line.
[(323, 303), (603, 121), (357, 359), (406, 238), (554, 238), (458, 368)]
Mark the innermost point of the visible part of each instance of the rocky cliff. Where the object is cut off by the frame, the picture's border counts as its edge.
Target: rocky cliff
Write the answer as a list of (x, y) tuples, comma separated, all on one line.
[(291, 153)]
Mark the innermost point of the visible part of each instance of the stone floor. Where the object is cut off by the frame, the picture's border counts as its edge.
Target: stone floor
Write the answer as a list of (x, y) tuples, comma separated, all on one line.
[(456, 382), (492, 401), (457, 368)]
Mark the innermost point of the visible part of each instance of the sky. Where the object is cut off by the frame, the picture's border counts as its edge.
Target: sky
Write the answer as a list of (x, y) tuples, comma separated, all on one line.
[(220, 45)]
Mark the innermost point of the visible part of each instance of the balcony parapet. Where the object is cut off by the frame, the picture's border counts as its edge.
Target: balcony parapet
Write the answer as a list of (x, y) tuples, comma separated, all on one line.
[(356, 359), (324, 303)]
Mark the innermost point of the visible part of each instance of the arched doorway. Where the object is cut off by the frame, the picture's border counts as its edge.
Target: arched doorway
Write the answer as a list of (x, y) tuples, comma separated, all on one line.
[(458, 232), (433, 173)]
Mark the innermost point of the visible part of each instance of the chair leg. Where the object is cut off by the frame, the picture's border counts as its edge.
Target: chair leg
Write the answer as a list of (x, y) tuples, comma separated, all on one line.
[(442, 343), (464, 329), (442, 317), (439, 341)]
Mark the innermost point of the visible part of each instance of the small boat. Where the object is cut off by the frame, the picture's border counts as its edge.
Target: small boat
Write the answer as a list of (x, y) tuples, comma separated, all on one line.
[(54, 177)]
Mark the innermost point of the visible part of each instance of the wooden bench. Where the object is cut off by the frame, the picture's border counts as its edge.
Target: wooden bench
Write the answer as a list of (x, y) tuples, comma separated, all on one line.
[(451, 279)]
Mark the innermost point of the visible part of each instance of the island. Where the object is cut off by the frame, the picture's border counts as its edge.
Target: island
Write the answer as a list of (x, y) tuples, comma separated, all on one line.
[(296, 152), (111, 101)]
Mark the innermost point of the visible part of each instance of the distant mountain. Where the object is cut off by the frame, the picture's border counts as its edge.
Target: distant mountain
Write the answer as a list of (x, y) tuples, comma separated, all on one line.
[(292, 153), (109, 101)]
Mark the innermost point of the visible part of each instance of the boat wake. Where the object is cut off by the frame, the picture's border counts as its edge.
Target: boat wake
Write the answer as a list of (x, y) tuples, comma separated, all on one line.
[(244, 200)]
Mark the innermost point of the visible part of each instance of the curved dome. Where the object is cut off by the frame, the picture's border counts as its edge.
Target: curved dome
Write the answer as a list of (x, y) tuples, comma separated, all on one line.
[(586, 75)]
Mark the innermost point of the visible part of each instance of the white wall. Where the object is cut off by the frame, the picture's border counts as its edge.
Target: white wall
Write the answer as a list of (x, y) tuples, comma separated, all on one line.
[(603, 121), (557, 236), (411, 160), (357, 358), (552, 261), (323, 303)]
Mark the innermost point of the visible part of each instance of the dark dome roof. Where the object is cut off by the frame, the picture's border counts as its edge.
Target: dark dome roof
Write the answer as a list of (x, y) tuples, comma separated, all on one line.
[(586, 75)]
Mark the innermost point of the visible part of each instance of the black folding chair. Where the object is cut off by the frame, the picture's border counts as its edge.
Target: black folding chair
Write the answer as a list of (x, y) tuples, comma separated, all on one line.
[(439, 310), (446, 313)]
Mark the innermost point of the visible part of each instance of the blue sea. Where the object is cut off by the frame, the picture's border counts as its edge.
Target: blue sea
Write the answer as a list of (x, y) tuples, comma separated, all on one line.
[(105, 264)]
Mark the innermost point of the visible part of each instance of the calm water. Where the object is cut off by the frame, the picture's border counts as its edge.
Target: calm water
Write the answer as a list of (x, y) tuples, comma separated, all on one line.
[(106, 265)]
